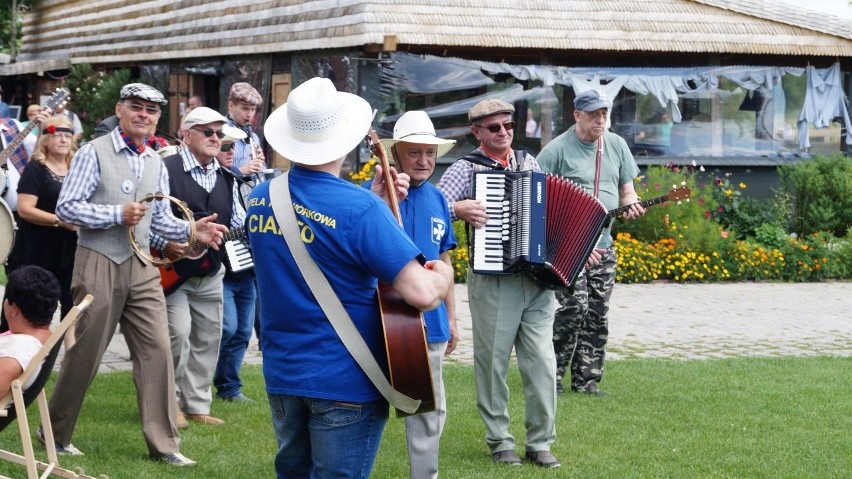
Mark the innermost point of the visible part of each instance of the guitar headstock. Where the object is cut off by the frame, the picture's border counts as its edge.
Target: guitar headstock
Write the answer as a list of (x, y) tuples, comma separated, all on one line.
[(58, 100), (679, 193)]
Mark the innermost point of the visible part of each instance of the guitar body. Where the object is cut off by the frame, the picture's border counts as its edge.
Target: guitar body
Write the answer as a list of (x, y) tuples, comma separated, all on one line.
[(408, 355), (173, 275)]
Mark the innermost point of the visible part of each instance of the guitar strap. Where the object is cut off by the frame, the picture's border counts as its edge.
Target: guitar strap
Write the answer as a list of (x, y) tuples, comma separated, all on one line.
[(279, 194)]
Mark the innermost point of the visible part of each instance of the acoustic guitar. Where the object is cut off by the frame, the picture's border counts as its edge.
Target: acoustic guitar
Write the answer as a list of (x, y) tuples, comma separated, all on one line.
[(405, 333)]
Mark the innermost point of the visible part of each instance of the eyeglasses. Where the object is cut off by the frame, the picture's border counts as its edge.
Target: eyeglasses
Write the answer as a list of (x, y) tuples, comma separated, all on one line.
[(208, 132), (136, 107), (495, 128), (63, 135), (226, 147)]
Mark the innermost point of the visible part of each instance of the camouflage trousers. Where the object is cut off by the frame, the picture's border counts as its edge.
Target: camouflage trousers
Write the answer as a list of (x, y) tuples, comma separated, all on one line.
[(580, 325)]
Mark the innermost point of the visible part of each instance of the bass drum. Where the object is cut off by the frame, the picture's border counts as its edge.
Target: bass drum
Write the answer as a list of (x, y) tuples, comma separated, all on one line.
[(8, 227), (4, 182)]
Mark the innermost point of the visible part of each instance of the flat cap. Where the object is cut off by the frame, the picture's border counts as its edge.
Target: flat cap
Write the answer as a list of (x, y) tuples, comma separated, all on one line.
[(591, 100), (491, 106), (245, 93), (143, 92)]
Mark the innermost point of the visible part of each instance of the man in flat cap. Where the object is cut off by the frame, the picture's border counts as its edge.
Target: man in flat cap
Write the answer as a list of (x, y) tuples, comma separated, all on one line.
[(601, 162), (102, 195), (507, 310), (243, 101)]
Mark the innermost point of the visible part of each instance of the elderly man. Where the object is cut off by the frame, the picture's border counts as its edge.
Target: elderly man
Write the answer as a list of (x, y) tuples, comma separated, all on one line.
[(601, 162), (195, 301), (327, 414), (507, 310), (426, 219), (102, 196), (243, 101)]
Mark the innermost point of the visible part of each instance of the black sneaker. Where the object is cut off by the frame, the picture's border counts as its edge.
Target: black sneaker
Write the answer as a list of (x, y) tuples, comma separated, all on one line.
[(543, 459), (560, 389), (508, 457), (61, 450)]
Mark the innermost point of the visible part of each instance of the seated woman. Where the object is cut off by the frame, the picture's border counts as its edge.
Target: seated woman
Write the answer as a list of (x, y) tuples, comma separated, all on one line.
[(32, 295)]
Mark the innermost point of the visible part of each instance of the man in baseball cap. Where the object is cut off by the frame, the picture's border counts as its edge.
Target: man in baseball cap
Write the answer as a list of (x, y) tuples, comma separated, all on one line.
[(599, 161)]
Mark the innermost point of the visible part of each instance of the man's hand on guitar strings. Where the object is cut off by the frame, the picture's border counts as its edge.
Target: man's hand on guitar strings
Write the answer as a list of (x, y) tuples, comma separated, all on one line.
[(401, 181), (209, 232)]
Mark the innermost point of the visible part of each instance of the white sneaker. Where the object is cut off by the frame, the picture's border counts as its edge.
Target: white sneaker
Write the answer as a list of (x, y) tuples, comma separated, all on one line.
[(177, 459)]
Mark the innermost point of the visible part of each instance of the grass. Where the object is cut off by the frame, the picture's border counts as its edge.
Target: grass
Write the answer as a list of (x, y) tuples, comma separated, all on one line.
[(732, 418)]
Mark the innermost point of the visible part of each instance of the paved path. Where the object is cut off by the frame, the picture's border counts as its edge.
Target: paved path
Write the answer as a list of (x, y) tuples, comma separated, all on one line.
[(693, 321)]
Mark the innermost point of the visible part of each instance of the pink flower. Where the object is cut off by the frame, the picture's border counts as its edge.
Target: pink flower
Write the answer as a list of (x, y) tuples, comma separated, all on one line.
[(707, 214)]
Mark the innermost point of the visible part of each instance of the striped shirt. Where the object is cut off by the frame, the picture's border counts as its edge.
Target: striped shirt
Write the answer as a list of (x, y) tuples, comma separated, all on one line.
[(206, 178), (73, 206)]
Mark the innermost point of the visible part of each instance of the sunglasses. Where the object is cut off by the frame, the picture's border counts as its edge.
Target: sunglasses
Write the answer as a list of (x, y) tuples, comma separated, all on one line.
[(226, 147), (136, 107), (208, 132), (495, 128)]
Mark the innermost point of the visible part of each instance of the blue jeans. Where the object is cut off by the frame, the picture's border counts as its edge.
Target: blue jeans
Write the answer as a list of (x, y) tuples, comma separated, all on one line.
[(237, 322), (318, 438)]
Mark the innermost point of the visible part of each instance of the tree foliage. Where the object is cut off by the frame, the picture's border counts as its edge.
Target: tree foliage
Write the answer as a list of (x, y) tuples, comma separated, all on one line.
[(6, 23)]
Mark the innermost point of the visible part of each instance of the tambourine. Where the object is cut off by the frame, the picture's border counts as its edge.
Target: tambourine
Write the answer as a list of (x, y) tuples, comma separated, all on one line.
[(187, 215)]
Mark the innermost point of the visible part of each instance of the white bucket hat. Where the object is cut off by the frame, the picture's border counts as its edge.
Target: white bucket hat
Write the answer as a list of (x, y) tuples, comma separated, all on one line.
[(318, 124), (416, 127)]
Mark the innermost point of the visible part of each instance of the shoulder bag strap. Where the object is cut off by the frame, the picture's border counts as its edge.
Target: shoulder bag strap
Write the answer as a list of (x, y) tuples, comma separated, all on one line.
[(279, 194)]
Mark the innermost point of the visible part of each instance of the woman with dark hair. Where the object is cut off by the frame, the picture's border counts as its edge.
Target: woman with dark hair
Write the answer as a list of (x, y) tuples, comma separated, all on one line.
[(42, 239), (32, 294)]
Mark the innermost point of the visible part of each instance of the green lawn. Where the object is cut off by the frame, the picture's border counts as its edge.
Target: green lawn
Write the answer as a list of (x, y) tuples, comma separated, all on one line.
[(737, 418)]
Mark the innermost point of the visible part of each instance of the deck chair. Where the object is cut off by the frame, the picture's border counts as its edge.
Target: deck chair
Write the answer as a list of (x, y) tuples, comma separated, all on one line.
[(20, 399)]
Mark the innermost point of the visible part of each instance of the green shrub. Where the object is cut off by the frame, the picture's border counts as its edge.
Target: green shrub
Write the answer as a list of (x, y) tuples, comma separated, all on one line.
[(771, 235), (822, 191)]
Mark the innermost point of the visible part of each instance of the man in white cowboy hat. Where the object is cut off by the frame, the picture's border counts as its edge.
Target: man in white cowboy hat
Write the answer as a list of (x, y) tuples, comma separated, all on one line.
[(327, 414), (426, 219), (194, 298), (507, 311), (102, 195)]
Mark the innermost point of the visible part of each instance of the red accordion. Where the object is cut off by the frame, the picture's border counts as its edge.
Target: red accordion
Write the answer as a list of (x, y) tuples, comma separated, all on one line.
[(541, 225)]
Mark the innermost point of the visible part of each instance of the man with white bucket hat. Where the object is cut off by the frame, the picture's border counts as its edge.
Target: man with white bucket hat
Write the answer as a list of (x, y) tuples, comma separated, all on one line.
[(426, 218), (327, 414)]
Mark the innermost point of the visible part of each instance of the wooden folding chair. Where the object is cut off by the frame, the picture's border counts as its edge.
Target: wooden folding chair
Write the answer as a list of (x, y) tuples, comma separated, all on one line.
[(46, 357)]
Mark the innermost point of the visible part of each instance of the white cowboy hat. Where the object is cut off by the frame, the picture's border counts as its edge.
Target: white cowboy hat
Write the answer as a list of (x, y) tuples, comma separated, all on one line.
[(318, 124), (416, 127)]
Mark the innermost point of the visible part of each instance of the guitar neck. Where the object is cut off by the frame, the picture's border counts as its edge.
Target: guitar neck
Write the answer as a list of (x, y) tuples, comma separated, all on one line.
[(15, 143), (643, 204)]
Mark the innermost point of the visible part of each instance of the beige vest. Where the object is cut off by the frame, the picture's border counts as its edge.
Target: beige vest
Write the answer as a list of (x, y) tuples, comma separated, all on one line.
[(114, 242)]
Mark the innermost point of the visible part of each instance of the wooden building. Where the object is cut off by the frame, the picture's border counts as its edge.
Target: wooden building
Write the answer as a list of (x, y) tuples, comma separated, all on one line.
[(718, 63)]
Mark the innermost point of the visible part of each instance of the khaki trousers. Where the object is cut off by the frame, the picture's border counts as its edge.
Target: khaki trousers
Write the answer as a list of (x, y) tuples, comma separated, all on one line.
[(128, 294), (511, 311)]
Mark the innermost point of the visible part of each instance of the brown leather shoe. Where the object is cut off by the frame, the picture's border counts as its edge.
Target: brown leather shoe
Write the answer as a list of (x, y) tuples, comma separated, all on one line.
[(181, 420), (205, 419)]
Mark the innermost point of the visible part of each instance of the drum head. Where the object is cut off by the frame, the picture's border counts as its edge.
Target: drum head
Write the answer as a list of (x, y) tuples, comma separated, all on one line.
[(7, 231)]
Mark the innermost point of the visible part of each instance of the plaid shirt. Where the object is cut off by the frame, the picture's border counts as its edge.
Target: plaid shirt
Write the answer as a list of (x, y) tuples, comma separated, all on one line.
[(10, 129), (73, 206), (457, 182)]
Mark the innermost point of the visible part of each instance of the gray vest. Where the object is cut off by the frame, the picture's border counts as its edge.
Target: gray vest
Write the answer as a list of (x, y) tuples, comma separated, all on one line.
[(114, 242)]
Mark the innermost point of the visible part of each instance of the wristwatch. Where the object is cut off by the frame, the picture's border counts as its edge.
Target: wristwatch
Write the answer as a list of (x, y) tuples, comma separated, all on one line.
[(56, 223)]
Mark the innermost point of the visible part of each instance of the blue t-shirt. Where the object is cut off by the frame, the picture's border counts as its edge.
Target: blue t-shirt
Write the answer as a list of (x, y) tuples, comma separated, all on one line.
[(353, 238), (426, 220)]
